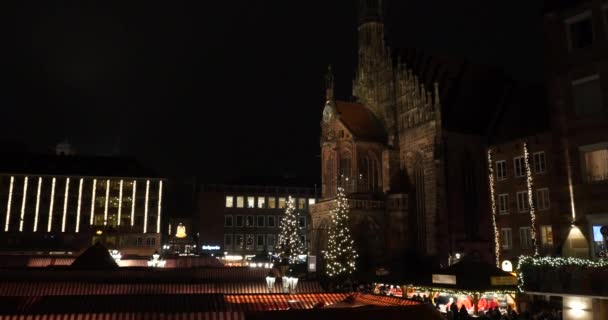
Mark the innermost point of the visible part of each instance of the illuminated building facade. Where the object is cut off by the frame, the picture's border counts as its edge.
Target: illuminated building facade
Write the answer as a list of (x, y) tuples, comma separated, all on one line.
[(43, 211), (244, 220)]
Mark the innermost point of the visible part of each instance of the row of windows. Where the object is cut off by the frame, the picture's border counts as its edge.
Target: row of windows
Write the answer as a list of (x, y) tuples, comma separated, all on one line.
[(525, 237), (265, 202), (519, 165), (541, 202), (253, 241), (257, 221)]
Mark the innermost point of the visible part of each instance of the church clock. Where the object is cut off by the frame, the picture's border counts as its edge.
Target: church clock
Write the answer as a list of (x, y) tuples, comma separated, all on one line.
[(328, 112)]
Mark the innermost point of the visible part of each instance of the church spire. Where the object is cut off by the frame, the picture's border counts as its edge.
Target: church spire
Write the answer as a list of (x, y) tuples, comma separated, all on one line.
[(329, 84), (370, 10)]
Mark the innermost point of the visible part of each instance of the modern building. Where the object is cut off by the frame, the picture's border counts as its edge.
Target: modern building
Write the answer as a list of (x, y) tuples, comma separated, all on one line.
[(244, 220), (63, 204), (409, 150)]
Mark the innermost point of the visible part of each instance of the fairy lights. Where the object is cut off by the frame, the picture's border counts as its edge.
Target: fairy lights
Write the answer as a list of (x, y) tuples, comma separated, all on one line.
[(289, 244), (530, 193), (460, 292), (23, 202), (8, 204), (37, 204), (50, 222), (133, 203), (160, 200), (120, 201), (79, 203), (93, 201), (341, 255), (493, 204), (65, 204), (527, 264), (105, 209), (146, 206)]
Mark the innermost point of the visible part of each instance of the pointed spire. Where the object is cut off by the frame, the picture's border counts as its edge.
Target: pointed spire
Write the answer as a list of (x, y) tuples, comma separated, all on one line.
[(329, 84)]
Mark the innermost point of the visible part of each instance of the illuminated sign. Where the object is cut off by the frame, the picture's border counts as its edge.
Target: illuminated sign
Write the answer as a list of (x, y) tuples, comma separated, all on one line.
[(206, 247), (444, 278), (181, 232), (503, 281), (507, 266), (312, 263)]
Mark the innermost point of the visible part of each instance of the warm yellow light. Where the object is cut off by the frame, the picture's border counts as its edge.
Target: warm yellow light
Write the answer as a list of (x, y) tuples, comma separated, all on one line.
[(98, 232), (133, 203), (160, 200), (23, 202), (146, 206), (65, 203), (79, 203), (50, 223), (181, 231), (8, 204), (120, 201), (93, 201), (37, 204), (105, 209)]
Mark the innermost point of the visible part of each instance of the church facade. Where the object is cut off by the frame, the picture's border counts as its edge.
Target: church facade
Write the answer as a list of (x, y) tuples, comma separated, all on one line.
[(408, 151)]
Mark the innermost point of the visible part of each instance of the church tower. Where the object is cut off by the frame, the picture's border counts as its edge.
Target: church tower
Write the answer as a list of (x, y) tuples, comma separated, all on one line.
[(373, 85)]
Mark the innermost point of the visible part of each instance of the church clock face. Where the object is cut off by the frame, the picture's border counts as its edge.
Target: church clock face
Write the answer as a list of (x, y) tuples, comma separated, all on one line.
[(327, 113)]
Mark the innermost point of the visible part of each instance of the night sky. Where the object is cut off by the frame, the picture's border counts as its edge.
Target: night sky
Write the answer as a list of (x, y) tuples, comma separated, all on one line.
[(220, 89)]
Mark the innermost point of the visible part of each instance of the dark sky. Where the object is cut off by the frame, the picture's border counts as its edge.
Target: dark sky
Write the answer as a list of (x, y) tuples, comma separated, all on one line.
[(220, 89)]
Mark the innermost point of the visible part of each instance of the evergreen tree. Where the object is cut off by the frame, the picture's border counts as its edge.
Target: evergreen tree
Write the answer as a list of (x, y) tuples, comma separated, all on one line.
[(289, 244), (340, 255)]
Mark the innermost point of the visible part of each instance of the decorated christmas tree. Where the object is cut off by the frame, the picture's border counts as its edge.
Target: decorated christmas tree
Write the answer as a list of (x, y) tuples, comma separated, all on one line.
[(340, 255), (289, 244)]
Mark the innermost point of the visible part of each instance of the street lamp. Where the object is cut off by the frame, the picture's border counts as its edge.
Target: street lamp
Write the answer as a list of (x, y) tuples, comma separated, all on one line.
[(156, 262)]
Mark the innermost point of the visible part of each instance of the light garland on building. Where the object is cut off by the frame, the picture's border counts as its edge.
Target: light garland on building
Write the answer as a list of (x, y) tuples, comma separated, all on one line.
[(79, 205), (160, 201), (146, 206), (340, 255), (8, 204), (289, 244), (530, 200), (133, 199), (93, 201), (493, 204), (553, 262), (50, 221), (105, 209), (23, 202), (37, 204), (461, 292), (65, 204), (120, 201)]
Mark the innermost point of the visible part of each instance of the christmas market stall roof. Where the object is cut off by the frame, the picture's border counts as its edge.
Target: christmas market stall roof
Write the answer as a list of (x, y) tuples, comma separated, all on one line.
[(95, 257), (470, 275)]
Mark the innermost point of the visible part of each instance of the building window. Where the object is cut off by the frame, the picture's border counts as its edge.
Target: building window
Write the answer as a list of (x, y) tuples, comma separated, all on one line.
[(542, 199), (580, 30), (282, 203), (249, 221), (546, 233), (303, 240), (260, 221), (259, 242), (525, 237), (270, 241), (229, 201), (302, 221), (587, 96), (595, 159), (139, 242), (520, 166), (228, 221), (150, 242), (250, 202), (540, 165), (272, 222), (227, 241), (240, 201), (506, 238), (501, 170), (272, 202), (311, 201), (239, 241), (249, 242), (239, 221), (503, 203), (261, 202), (301, 203), (523, 205)]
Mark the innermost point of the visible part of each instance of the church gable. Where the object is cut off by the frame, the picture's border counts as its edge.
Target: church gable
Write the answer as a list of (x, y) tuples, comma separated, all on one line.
[(359, 121)]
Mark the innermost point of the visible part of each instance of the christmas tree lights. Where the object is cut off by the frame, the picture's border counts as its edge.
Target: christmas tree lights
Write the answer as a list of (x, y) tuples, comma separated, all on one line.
[(493, 203), (340, 255), (289, 244), (530, 184)]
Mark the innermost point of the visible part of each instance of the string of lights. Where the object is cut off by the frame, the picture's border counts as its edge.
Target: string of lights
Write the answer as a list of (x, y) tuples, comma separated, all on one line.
[(65, 204), (37, 204), (527, 262), (120, 202), (340, 255), (133, 199), (289, 242), (160, 202), (531, 203), (493, 205), (50, 222), (8, 204), (461, 292), (146, 206), (79, 204), (23, 202), (93, 201), (105, 208)]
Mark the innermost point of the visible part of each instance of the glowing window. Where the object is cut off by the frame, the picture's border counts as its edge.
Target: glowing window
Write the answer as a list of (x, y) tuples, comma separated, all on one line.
[(281, 203), (250, 202), (272, 202), (240, 201), (546, 233), (311, 201), (229, 201), (301, 203), (261, 202)]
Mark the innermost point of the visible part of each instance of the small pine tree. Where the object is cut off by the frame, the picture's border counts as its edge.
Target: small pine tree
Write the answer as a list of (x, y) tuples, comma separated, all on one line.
[(289, 244), (340, 255)]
